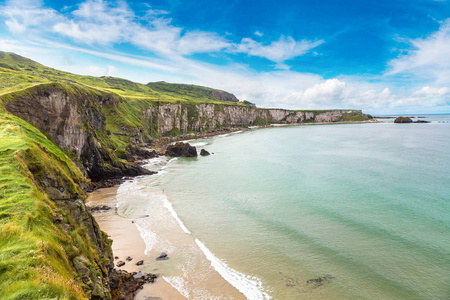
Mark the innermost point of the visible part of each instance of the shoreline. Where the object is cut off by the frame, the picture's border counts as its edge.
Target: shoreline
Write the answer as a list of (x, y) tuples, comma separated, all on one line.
[(159, 144), (127, 237), (126, 233), (127, 242)]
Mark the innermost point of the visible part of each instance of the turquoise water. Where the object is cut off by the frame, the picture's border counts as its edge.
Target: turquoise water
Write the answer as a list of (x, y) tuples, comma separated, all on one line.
[(364, 207)]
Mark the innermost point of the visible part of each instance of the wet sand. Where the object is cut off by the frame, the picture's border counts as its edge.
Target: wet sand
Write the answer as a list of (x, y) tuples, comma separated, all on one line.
[(128, 242)]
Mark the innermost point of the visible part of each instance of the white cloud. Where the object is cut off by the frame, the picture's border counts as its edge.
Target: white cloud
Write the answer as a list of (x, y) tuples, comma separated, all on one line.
[(284, 89), (328, 91), (201, 42), (429, 59), (259, 33), (100, 71), (98, 22), (23, 15), (278, 51)]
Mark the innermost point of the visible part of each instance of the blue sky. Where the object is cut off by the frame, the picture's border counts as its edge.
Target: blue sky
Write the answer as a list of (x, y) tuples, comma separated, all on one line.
[(379, 56)]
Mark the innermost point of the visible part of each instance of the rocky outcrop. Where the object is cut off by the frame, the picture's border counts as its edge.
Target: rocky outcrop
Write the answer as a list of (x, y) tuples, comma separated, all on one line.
[(403, 120), (181, 149), (224, 96), (125, 285), (203, 152)]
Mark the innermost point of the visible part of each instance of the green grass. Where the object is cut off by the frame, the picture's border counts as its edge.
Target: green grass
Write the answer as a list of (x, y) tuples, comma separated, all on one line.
[(18, 73), (191, 93), (355, 118), (35, 253), (174, 132)]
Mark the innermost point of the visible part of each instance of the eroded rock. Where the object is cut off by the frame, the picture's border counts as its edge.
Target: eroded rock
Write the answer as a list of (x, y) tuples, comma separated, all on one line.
[(140, 263), (203, 152), (163, 256), (120, 263), (181, 149)]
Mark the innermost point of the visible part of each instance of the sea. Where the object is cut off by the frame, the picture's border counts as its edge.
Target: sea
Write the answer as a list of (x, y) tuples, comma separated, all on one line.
[(345, 211)]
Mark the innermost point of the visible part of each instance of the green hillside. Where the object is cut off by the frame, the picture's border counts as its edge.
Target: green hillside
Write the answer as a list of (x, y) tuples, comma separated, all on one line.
[(18, 73), (36, 252)]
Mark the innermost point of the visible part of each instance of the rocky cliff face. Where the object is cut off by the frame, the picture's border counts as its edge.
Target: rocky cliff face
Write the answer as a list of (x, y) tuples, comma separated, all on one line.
[(59, 248), (203, 117), (74, 120)]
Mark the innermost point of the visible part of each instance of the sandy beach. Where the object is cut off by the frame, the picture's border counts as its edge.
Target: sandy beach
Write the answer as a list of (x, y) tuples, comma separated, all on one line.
[(127, 242)]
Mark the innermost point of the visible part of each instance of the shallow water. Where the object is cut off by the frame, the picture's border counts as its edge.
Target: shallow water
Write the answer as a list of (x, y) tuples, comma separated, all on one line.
[(357, 211), (364, 207)]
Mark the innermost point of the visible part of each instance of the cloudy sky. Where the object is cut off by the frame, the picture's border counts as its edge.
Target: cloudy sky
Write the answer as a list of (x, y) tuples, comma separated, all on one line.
[(384, 56)]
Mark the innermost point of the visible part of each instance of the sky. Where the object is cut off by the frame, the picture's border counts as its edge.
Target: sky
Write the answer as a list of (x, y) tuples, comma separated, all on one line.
[(384, 56)]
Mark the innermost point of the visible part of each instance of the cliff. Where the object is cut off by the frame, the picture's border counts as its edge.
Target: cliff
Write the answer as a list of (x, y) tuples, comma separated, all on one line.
[(72, 117), (169, 119), (50, 245)]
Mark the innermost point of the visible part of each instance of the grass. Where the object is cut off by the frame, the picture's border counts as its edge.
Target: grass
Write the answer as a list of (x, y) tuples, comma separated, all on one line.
[(18, 73), (35, 253), (354, 118)]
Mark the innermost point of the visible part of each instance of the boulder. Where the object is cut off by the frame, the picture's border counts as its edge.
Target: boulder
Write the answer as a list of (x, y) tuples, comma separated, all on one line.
[(421, 121), (100, 208), (181, 149), (120, 263), (162, 256), (140, 263), (203, 152)]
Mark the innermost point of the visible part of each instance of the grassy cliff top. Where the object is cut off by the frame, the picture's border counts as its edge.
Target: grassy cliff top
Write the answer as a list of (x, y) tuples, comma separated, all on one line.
[(19, 73), (34, 252)]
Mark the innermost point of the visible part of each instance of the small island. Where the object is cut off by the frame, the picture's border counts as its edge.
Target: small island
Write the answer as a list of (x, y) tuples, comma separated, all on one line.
[(403, 120), (408, 120)]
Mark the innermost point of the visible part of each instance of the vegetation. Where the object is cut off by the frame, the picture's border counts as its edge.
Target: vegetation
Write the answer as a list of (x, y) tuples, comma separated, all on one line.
[(403, 120), (260, 122), (354, 118), (35, 252), (18, 73), (174, 132), (193, 93)]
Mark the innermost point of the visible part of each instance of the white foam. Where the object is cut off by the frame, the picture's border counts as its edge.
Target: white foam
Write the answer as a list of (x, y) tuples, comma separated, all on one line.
[(174, 214), (227, 134), (126, 188), (156, 163), (199, 144), (250, 286), (149, 237), (179, 284)]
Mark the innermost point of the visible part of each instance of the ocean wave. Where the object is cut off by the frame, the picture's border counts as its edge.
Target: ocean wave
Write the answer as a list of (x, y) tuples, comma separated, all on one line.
[(156, 163), (174, 214), (129, 188), (165, 166), (149, 237), (199, 144), (179, 284), (250, 286)]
